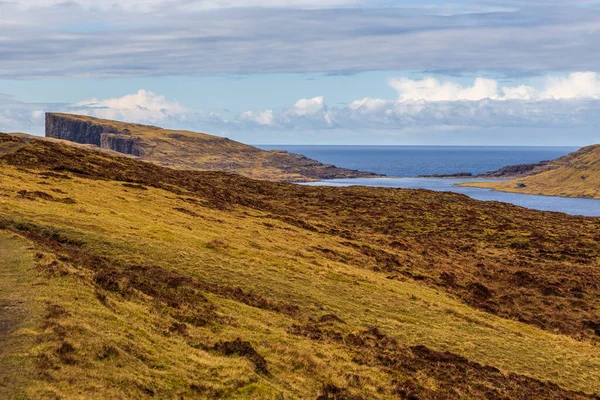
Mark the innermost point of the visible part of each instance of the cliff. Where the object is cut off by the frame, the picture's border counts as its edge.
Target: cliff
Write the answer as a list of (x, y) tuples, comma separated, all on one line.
[(190, 150), (85, 131)]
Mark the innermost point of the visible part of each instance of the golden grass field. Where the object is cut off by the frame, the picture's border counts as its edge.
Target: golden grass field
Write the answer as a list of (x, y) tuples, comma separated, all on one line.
[(122, 279), (575, 175)]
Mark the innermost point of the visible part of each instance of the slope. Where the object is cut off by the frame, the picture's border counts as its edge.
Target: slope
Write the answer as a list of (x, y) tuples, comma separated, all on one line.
[(574, 175), (164, 283), (191, 150)]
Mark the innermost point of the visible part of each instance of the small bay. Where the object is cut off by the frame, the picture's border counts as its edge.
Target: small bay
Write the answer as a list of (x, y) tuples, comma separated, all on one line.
[(404, 163)]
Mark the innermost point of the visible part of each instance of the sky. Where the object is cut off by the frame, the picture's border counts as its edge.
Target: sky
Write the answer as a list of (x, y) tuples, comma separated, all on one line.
[(387, 72)]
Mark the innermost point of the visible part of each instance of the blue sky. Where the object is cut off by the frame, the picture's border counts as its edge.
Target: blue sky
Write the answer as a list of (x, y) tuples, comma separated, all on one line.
[(306, 71)]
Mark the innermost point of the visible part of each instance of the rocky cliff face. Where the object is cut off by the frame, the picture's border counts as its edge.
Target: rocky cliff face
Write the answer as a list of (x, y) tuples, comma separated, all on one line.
[(86, 132)]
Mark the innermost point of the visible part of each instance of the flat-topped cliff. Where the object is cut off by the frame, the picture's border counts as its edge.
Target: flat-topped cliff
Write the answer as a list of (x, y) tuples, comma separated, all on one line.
[(191, 150), (85, 131)]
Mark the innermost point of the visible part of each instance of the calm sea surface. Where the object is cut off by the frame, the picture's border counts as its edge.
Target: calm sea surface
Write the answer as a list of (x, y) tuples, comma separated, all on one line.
[(404, 163), (410, 161)]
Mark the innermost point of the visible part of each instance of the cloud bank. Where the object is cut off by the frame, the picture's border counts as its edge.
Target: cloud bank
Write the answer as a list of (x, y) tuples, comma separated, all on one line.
[(575, 85), (426, 105), (90, 39), (197, 5)]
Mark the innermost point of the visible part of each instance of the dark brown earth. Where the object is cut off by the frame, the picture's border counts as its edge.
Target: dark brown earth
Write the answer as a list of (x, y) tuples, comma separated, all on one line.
[(455, 376)]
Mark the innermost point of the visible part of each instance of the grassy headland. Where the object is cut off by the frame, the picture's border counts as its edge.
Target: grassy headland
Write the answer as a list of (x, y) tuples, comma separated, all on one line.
[(574, 175), (191, 150)]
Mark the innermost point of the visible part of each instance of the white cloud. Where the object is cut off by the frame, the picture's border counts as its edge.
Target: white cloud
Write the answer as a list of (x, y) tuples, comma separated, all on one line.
[(575, 85), (572, 100), (143, 106), (37, 115), (431, 89), (265, 117), (368, 104), (522, 92), (308, 106), (566, 103), (17, 116)]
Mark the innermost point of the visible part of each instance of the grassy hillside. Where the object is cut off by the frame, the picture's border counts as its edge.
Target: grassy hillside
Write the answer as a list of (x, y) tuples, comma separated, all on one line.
[(574, 175), (154, 282), (191, 150)]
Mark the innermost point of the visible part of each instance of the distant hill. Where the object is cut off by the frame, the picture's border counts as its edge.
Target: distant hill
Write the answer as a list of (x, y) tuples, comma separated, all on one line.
[(190, 150), (574, 175)]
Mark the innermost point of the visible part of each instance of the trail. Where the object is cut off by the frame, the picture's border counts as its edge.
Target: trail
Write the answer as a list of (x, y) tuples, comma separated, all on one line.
[(16, 265)]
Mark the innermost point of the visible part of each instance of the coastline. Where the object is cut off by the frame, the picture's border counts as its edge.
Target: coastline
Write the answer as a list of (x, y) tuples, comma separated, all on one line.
[(529, 189), (482, 190)]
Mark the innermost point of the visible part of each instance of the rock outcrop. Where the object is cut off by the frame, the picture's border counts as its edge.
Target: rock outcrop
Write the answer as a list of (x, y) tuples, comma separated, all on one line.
[(517, 171), (87, 132), (457, 175), (510, 171)]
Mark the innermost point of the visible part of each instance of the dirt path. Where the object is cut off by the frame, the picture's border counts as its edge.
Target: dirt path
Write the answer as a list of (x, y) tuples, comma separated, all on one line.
[(16, 312)]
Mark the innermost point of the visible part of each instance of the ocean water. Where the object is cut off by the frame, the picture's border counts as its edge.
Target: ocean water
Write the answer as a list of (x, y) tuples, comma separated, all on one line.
[(410, 161), (404, 163)]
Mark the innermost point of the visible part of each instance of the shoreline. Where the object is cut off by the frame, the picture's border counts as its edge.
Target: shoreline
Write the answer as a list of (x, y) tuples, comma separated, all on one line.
[(477, 190), (522, 191)]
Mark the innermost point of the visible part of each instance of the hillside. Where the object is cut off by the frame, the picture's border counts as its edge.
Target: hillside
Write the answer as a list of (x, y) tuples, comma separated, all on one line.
[(191, 150), (574, 175), (123, 279)]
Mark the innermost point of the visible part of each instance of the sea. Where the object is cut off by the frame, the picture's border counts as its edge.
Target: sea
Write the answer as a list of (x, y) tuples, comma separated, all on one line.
[(411, 161), (403, 164)]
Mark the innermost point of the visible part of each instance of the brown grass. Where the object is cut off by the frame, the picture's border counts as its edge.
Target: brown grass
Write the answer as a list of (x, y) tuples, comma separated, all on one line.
[(267, 290)]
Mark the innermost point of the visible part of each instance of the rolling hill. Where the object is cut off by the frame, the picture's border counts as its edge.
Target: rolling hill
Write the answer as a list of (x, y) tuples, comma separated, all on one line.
[(574, 175), (124, 279), (191, 150)]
